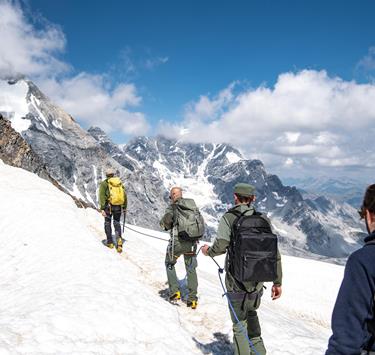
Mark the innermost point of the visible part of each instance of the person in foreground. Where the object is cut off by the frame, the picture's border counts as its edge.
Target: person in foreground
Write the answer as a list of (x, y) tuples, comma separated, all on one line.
[(245, 296), (353, 323)]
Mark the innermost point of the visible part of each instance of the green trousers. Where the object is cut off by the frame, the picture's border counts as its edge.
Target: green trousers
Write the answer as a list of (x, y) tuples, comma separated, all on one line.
[(188, 250), (249, 322)]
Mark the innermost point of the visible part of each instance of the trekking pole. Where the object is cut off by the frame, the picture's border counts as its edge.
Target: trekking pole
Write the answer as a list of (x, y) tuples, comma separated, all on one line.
[(243, 330), (123, 225), (172, 248)]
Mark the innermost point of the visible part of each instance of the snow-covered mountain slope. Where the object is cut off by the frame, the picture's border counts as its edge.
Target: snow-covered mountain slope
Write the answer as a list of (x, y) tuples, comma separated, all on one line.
[(150, 166), (318, 227), (71, 155), (62, 291)]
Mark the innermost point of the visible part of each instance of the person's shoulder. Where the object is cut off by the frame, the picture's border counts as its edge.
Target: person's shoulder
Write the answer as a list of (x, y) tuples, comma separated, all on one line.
[(363, 256), (185, 200), (229, 216), (367, 249)]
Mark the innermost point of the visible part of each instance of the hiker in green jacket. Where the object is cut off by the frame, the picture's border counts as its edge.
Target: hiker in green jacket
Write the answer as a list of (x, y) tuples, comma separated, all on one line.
[(112, 202), (245, 297), (179, 246)]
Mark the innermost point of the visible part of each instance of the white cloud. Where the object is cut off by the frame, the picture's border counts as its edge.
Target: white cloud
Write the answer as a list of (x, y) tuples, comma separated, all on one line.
[(308, 117), (87, 96), (367, 63), (91, 99), (26, 50), (288, 162), (152, 63)]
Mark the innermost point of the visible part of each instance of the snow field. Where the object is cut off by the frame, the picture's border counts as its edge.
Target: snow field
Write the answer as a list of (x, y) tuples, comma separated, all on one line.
[(299, 322), (62, 292), (13, 103)]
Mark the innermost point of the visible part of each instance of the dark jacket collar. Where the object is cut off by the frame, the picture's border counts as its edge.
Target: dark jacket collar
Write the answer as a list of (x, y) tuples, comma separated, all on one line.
[(370, 237)]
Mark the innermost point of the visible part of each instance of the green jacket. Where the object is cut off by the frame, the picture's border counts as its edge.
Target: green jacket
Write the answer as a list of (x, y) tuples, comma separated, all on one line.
[(166, 223), (104, 195), (221, 245)]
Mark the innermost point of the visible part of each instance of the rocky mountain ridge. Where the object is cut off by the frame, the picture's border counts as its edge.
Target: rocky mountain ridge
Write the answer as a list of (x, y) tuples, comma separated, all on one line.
[(151, 166)]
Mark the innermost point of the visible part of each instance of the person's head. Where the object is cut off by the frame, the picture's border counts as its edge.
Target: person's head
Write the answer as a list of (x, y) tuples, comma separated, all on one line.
[(244, 194), (175, 194), (367, 210), (109, 173)]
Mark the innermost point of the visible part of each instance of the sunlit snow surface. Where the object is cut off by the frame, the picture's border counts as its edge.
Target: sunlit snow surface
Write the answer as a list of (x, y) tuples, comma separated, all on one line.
[(13, 104), (63, 292)]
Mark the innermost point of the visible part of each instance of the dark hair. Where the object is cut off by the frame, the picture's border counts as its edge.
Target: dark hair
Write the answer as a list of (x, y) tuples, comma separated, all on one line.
[(245, 199), (368, 201)]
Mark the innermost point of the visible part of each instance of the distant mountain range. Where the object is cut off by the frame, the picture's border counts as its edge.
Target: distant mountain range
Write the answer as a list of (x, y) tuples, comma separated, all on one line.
[(341, 189), (318, 227)]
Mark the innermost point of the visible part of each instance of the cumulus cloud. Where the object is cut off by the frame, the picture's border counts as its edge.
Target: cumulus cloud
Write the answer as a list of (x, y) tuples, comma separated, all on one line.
[(34, 50), (25, 49), (88, 97), (306, 118)]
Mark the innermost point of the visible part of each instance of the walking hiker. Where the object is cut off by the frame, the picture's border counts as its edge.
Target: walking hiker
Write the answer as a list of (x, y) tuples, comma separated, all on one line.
[(186, 224), (112, 202), (252, 258), (353, 317)]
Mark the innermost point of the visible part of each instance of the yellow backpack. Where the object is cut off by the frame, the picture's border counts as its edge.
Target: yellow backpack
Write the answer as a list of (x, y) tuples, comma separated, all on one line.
[(116, 191)]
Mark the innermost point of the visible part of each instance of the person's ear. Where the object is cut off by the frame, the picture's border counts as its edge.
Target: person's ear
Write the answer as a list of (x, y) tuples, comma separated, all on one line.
[(370, 217)]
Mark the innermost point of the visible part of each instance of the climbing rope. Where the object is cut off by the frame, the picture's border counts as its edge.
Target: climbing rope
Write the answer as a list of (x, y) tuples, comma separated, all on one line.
[(243, 330), (147, 235)]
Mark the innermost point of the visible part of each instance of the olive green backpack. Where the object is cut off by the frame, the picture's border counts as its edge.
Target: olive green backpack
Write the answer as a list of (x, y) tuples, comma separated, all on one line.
[(188, 220)]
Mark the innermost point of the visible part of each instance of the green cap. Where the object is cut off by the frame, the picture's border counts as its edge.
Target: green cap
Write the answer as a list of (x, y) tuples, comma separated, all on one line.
[(243, 189)]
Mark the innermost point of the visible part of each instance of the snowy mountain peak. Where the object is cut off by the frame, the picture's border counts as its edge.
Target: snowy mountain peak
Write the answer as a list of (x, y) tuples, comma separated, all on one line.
[(26, 106), (150, 166)]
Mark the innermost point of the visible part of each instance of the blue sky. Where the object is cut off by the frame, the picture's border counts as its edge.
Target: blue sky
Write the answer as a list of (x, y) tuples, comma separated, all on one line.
[(288, 82), (209, 44)]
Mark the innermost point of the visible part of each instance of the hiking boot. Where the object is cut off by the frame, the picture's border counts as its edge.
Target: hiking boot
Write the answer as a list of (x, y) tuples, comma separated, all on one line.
[(176, 296), (110, 245), (119, 245), (192, 304)]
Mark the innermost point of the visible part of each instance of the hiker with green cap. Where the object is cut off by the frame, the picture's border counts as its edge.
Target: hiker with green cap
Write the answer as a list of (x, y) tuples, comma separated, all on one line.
[(252, 259), (112, 202), (183, 219)]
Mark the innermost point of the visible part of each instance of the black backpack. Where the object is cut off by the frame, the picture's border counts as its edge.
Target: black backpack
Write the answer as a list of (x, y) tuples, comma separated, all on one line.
[(252, 253)]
